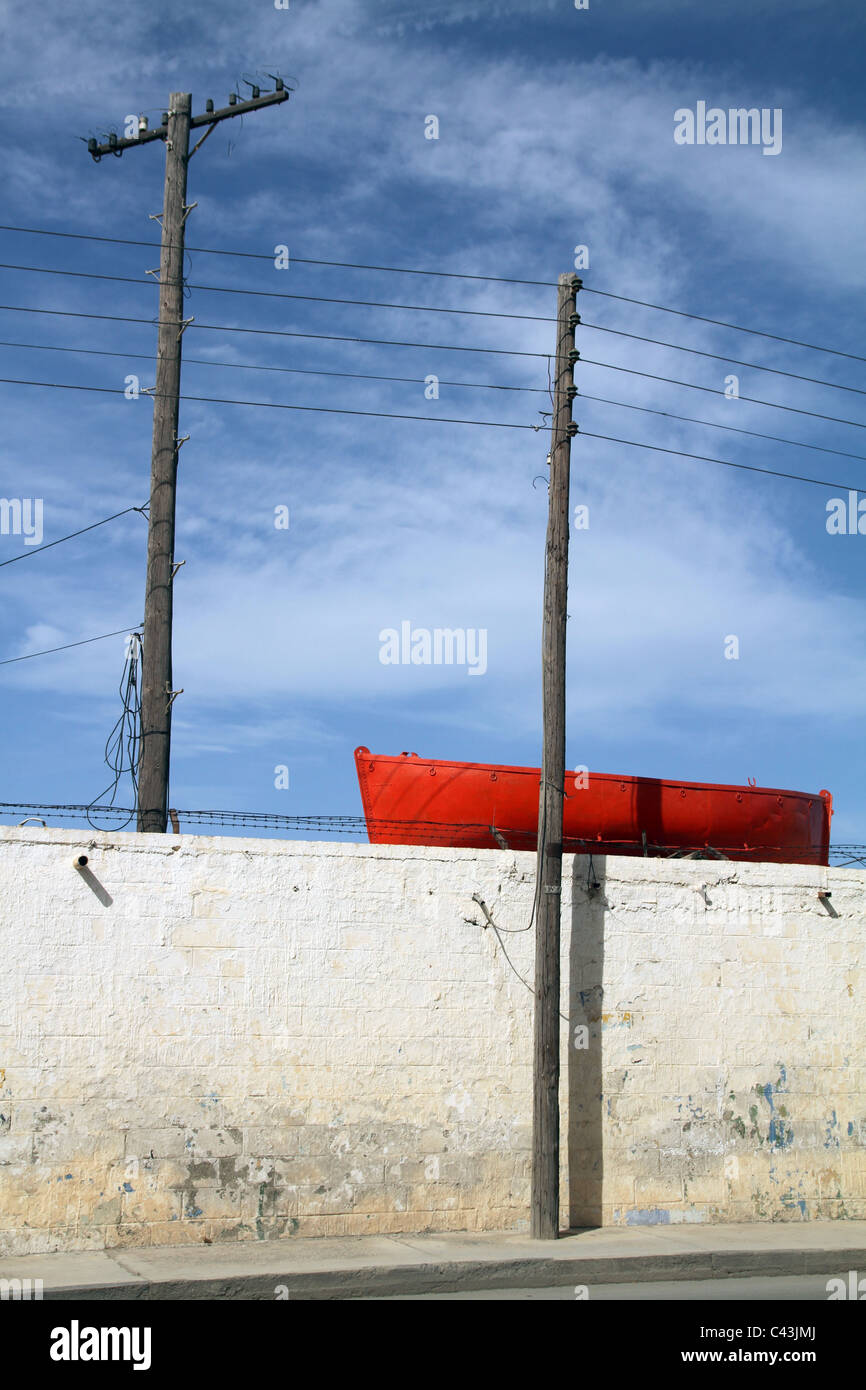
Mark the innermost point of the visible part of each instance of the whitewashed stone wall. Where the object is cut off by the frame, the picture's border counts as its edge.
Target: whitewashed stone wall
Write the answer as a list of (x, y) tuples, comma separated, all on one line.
[(226, 1039)]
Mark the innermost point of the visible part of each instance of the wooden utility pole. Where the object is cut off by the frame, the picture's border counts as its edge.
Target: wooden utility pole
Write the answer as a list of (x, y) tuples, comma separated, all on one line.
[(545, 1100), (156, 686), (157, 694)]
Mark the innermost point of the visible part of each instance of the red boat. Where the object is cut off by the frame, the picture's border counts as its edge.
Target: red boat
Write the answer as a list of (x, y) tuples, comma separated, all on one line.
[(418, 801)]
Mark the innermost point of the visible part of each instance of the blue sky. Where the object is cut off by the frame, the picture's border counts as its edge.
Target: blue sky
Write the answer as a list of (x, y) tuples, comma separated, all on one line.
[(555, 129)]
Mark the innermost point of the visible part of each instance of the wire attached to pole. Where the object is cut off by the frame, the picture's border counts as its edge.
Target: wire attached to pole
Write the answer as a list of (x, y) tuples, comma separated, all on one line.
[(123, 744)]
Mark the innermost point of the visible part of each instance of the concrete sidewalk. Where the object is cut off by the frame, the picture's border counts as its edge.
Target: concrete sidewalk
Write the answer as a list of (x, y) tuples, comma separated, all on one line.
[(362, 1265)]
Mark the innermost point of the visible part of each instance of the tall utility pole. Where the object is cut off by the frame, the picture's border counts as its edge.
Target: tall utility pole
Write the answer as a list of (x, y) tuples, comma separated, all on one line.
[(545, 1097), (157, 694), (156, 673)]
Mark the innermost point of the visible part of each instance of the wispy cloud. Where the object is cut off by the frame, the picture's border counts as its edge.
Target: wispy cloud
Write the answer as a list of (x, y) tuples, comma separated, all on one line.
[(439, 524)]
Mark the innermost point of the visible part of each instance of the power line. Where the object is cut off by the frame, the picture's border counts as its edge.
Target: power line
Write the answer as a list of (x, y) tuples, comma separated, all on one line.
[(723, 323), (298, 260), (86, 642), (714, 391), (276, 332), (277, 294), (713, 424), (434, 309), (294, 371), (451, 275), (704, 458), (722, 357), (37, 550), (278, 405), (474, 385), (436, 419), (443, 347)]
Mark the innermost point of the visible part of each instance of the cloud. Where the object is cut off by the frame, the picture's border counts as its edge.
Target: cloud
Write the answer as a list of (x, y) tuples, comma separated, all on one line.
[(438, 524)]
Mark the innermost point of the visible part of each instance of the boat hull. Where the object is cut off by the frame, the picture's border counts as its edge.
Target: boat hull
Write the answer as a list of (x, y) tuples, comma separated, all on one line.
[(420, 801)]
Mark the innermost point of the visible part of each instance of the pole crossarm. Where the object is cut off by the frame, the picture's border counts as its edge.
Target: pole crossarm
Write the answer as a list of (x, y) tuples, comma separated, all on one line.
[(116, 144)]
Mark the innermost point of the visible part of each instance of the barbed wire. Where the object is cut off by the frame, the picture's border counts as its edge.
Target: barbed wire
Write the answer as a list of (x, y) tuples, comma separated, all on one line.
[(433, 832)]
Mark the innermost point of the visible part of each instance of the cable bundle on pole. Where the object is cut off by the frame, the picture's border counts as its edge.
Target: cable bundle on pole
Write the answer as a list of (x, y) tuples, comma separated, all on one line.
[(122, 747)]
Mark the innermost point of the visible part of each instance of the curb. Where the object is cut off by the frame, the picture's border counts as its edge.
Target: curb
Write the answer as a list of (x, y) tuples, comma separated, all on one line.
[(468, 1275)]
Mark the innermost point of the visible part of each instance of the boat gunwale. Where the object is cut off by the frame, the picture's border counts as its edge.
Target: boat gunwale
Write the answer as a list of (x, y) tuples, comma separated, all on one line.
[(362, 753)]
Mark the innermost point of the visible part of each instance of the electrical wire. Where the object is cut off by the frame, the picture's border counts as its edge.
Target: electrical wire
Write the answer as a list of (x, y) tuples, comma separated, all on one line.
[(448, 275), (714, 424), (434, 309), (542, 844), (257, 367), (520, 977), (276, 294), (722, 357), (122, 744), (297, 260), (723, 323), (714, 391), (444, 347), (279, 405), (39, 548), (275, 332), (10, 661), (704, 458), (439, 419), (474, 385)]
